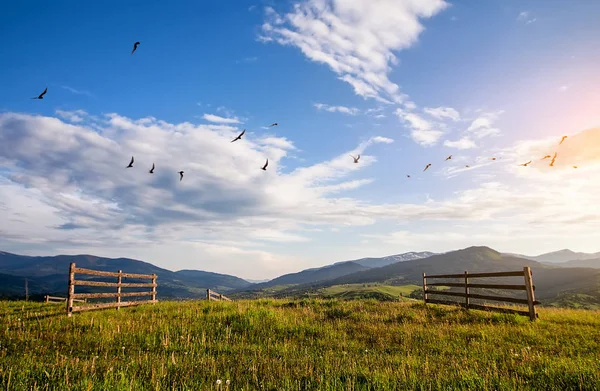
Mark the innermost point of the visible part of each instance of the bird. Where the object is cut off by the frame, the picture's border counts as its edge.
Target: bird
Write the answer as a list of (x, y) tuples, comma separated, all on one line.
[(449, 157), (274, 124), (135, 45), (574, 166), (467, 166), (546, 157), (355, 158), (562, 139), (493, 158), (130, 163), (264, 168), (553, 159), (240, 136), (427, 166), (408, 176), (180, 175), (152, 169), (525, 164), (41, 96)]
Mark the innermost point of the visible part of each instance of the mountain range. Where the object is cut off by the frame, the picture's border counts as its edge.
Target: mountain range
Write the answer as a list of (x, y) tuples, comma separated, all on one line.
[(553, 276)]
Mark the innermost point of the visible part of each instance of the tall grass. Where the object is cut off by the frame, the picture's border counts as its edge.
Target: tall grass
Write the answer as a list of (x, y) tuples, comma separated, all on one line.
[(296, 345)]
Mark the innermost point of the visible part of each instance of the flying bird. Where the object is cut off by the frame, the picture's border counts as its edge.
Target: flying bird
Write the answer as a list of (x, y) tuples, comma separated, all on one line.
[(408, 176), (525, 164), (553, 159), (152, 169), (135, 45), (493, 158), (467, 166), (180, 175), (275, 124), (130, 163), (240, 136), (41, 96), (427, 166), (574, 166), (449, 157), (546, 157), (265, 166), (355, 158), (562, 139)]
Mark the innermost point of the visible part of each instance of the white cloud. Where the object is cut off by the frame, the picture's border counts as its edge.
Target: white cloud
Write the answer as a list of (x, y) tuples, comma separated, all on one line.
[(462, 143), (443, 112), (72, 116), (563, 88), (422, 131), (222, 120), (339, 109), (356, 39), (77, 92), (483, 125), (526, 17)]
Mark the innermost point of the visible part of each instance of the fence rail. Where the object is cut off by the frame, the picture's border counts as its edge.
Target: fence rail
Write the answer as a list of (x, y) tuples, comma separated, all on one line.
[(82, 297), (56, 299), (528, 287), (212, 295)]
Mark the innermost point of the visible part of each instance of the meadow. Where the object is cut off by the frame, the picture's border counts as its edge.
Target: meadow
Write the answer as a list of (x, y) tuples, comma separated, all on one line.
[(296, 345)]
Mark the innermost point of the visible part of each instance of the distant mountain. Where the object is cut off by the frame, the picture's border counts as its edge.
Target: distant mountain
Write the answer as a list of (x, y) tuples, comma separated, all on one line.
[(379, 262), (560, 256), (51, 275), (574, 287), (313, 275), (473, 259), (590, 263)]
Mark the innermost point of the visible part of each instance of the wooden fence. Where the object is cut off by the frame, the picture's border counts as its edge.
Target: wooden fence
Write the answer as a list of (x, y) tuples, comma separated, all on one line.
[(528, 287), (56, 299), (212, 295), (72, 296)]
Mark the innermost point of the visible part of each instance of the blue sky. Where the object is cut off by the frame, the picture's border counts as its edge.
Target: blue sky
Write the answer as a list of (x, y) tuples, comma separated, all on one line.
[(404, 83)]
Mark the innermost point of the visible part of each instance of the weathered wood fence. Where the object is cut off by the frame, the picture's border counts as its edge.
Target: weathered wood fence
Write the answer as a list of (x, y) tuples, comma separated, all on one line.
[(212, 295), (528, 287), (56, 299), (72, 296)]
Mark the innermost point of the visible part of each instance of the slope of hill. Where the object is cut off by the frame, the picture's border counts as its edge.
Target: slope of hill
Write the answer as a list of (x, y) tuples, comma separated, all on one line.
[(51, 274), (560, 256), (384, 261), (313, 275), (590, 263), (551, 281)]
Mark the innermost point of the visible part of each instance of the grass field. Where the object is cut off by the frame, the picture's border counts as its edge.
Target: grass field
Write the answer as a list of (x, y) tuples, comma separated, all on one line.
[(361, 290), (296, 345)]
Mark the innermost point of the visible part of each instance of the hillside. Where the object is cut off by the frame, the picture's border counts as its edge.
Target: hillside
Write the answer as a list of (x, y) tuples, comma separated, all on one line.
[(577, 287), (560, 256), (384, 261), (296, 345), (593, 263), (313, 275), (50, 275)]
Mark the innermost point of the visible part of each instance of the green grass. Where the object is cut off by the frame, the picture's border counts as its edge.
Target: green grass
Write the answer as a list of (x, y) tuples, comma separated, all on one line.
[(362, 290), (296, 345)]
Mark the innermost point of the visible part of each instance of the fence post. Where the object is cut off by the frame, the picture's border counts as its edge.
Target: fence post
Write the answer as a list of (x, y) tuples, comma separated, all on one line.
[(424, 288), (467, 290), (71, 291), (530, 294), (208, 294), (119, 282), (153, 289), (47, 300)]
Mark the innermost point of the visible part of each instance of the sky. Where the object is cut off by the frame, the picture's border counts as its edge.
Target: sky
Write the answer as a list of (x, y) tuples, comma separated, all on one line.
[(403, 83)]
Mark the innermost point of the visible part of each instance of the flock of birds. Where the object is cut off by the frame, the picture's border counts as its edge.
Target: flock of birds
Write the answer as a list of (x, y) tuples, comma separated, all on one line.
[(356, 159), (130, 165)]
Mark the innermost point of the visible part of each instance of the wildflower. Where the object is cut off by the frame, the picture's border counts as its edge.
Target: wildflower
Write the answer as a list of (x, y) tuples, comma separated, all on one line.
[(227, 382), (219, 382)]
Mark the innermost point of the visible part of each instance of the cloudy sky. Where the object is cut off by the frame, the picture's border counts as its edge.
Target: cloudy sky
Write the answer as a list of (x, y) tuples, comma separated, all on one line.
[(403, 83)]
